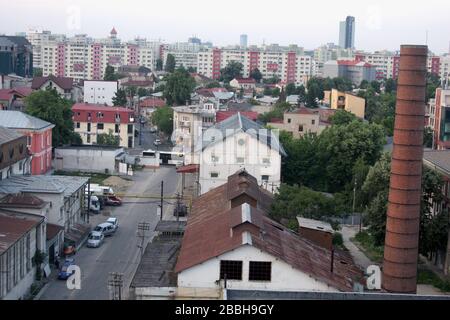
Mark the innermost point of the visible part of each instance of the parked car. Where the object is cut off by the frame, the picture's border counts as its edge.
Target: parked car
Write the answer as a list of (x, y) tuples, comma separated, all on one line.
[(113, 201), (107, 229), (63, 274), (157, 142), (114, 222), (153, 130), (95, 239)]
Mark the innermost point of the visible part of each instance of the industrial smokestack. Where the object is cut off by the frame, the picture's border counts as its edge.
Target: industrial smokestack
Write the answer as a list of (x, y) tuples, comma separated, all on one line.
[(403, 216)]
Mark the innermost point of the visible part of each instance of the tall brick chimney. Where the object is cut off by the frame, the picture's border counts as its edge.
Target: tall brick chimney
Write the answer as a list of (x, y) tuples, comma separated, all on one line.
[(403, 215)]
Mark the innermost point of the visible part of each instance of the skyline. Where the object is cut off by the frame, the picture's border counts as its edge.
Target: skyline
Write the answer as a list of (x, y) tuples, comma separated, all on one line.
[(291, 26)]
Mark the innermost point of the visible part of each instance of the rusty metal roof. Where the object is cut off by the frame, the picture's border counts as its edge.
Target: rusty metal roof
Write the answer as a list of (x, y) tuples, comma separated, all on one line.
[(215, 228), (13, 228)]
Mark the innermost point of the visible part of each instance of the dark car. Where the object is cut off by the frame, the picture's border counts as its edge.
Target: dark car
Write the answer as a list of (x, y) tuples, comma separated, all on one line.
[(63, 274), (113, 201)]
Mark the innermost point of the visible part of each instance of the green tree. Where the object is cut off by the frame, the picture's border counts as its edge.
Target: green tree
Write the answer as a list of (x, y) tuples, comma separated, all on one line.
[(342, 117), (290, 89), (49, 106), (433, 82), (256, 75), (178, 88), (108, 139), (214, 84), (120, 99), (110, 74), (428, 137), (390, 85), (375, 85), (163, 119), (272, 80), (364, 84), (314, 93), (191, 70), (159, 64), (143, 92), (37, 72), (170, 63), (231, 71), (301, 92)]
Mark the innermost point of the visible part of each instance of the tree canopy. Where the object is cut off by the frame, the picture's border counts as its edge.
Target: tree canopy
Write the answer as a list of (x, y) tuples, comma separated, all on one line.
[(231, 71), (256, 75), (178, 88), (49, 106), (108, 139), (110, 74), (163, 119), (170, 63), (120, 99)]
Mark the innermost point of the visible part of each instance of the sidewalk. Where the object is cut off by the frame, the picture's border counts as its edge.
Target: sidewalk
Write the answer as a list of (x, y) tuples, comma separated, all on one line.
[(359, 257)]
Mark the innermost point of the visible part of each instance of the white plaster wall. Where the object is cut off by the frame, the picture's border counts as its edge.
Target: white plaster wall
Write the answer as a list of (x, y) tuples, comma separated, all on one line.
[(87, 159), (100, 92), (284, 277)]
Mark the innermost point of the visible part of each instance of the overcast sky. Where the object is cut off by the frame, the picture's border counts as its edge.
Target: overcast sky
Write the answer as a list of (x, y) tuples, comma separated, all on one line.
[(380, 24)]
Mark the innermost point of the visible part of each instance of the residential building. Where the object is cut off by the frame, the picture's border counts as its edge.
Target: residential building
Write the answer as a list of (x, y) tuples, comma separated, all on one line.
[(347, 101), (91, 120), (100, 92), (442, 119), (229, 241), (243, 83), (22, 236), (16, 56), (237, 143), (439, 161), (143, 82), (13, 99), (66, 196), (38, 38), (223, 115), (64, 86), (355, 71), (347, 33), (14, 157), (300, 122), (39, 138), (188, 125)]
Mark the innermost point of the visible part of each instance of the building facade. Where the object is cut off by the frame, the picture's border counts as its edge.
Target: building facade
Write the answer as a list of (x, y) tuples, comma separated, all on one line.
[(16, 56), (64, 86), (355, 71), (300, 122), (347, 101), (39, 138), (100, 92), (91, 120)]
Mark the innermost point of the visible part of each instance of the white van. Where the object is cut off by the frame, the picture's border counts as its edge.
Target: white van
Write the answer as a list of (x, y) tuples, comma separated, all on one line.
[(107, 229)]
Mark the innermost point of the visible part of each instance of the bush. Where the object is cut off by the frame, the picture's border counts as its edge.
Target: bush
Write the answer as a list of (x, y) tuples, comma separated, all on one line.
[(338, 240)]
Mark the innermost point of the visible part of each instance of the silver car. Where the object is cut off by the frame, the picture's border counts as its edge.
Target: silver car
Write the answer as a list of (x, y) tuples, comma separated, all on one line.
[(107, 229), (114, 222), (95, 239)]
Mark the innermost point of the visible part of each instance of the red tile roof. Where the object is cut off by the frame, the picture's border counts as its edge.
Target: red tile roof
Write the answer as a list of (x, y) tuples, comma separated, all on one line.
[(98, 107), (223, 115), (53, 230), (152, 103), (245, 80), (63, 82), (215, 228), (21, 201)]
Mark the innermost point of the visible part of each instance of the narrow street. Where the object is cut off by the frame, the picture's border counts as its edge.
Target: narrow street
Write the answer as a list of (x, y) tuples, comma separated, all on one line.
[(119, 253)]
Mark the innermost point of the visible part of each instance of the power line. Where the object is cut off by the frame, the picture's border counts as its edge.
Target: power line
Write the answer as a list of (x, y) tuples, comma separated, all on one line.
[(141, 233)]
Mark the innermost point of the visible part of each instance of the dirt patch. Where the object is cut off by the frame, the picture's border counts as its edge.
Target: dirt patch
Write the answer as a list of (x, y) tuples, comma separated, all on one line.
[(118, 184)]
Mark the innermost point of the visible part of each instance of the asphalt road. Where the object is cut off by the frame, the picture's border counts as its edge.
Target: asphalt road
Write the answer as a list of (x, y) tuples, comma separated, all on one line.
[(145, 142), (119, 253)]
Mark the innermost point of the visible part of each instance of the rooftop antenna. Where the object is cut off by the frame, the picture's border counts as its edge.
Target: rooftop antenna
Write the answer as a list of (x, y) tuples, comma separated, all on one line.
[(426, 37)]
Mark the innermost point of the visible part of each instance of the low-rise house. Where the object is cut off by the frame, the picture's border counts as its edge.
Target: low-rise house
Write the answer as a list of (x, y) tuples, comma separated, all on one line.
[(347, 101), (148, 105), (39, 137), (231, 243), (66, 195), (63, 85), (91, 120), (13, 99), (95, 158), (14, 156), (131, 70), (21, 236), (248, 84), (237, 143), (144, 82), (223, 115), (100, 92), (300, 122), (439, 161)]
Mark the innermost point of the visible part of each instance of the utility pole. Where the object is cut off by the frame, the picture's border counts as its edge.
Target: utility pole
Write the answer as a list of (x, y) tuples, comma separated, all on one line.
[(162, 198), (178, 207), (142, 227), (115, 285)]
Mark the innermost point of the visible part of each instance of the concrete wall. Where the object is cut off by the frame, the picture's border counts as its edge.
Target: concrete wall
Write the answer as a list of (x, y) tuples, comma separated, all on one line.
[(100, 92), (85, 159), (227, 152), (284, 277)]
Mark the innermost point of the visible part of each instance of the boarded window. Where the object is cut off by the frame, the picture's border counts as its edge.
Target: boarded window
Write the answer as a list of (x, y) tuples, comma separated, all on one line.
[(260, 271), (231, 270)]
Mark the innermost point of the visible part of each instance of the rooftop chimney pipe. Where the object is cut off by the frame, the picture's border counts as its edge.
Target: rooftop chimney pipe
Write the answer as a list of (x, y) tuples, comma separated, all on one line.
[(403, 215)]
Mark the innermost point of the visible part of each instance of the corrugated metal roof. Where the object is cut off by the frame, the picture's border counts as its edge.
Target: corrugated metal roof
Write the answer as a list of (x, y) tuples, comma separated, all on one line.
[(14, 228), (7, 135), (19, 120), (440, 159)]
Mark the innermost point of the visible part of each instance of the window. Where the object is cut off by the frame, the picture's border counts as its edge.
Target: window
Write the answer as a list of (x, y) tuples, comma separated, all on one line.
[(265, 178), (78, 125), (214, 158), (89, 127), (289, 120), (313, 121), (240, 160), (260, 271), (100, 126), (214, 174), (266, 161), (88, 138), (300, 128), (231, 270), (116, 128), (130, 129)]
